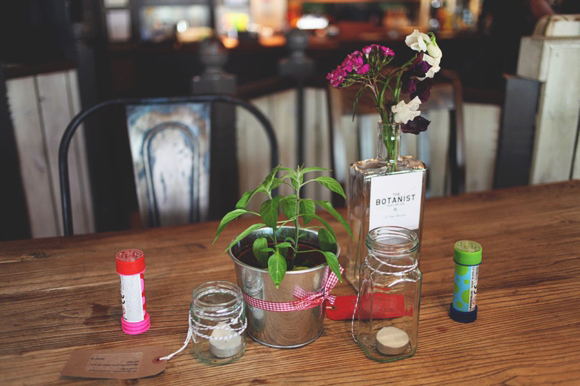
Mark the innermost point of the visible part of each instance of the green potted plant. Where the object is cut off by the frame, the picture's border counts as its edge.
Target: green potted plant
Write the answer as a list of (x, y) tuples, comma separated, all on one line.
[(283, 265)]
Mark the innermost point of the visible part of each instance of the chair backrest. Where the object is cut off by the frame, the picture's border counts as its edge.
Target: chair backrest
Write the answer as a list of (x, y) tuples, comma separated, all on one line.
[(352, 141), (161, 128), (170, 146)]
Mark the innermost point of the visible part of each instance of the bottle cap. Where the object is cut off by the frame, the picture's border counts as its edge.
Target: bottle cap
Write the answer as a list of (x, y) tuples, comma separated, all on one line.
[(467, 252), (462, 317), (130, 262), (137, 327)]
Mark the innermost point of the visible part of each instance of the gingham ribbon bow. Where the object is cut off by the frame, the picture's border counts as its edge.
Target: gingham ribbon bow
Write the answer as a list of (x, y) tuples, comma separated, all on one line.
[(305, 300)]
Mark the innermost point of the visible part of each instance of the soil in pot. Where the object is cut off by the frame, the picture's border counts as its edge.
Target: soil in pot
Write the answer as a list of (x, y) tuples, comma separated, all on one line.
[(307, 258)]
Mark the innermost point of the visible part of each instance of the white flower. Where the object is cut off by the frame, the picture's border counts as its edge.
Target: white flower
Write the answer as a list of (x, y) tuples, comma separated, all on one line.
[(417, 41), (405, 112), (434, 51), (434, 63)]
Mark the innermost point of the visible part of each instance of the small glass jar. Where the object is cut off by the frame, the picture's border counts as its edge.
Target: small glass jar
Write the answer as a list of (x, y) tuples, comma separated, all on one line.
[(389, 297), (218, 321)]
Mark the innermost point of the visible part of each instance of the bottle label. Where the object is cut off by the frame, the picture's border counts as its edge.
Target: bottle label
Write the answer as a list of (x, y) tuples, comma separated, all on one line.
[(465, 287), (396, 200), (133, 298)]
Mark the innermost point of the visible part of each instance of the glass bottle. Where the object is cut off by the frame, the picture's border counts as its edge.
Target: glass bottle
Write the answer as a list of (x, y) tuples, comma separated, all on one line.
[(385, 190), (390, 292), (218, 320)]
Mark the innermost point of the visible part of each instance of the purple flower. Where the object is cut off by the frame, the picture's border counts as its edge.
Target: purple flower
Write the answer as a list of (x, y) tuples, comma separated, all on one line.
[(419, 68), (417, 125), (408, 83), (337, 76), (423, 90), (367, 50), (363, 69), (353, 61), (387, 51)]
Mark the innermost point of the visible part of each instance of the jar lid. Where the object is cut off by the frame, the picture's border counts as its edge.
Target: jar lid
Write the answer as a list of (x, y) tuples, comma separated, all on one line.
[(130, 262), (467, 252)]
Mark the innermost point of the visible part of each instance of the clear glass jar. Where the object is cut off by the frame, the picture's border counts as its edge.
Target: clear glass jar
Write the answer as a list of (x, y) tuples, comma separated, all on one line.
[(389, 297), (388, 190), (218, 322)]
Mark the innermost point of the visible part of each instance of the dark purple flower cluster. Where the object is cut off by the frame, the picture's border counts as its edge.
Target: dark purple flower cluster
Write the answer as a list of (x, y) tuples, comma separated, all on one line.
[(411, 83), (417, 125), (359, 63)]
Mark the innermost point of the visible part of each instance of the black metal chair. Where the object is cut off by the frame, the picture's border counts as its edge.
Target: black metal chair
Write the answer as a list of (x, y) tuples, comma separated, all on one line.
[(80, 117)]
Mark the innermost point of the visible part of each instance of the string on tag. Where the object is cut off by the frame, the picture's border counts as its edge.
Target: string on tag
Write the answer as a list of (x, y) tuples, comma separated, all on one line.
[(195, 327), (185, 343)]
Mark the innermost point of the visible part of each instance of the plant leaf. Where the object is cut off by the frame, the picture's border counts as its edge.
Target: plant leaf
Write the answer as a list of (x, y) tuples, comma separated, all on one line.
[(314, 169), (248, 230), (267, 183), (243, 201), (296, 182), (234, 214), (326, 225), (282, 248), (288, 205), (307, 209), (269, 211), (328, 207), (259, 248), (247, 196), (332, 261), (326, 240), (331, 184), (284, 244), (276, 183), (277, 268)]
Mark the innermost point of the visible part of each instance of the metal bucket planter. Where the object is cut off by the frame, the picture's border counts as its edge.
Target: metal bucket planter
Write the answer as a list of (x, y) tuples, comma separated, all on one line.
[(287, 329)]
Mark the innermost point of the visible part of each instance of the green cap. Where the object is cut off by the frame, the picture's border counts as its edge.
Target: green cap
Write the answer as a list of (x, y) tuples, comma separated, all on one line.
[(467, 252)]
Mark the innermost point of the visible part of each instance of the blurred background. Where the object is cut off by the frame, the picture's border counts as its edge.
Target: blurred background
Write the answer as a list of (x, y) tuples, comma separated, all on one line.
[(61, 56)]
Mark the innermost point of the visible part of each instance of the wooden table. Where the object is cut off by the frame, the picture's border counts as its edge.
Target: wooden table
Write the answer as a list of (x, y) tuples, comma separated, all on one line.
[(60, 294)]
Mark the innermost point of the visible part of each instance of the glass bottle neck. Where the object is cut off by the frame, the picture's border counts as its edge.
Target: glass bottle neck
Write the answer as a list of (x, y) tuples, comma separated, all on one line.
[(389, 142)]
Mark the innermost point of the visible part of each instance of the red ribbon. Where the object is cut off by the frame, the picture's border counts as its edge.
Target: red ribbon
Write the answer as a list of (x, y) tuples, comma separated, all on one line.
[(306, 300)]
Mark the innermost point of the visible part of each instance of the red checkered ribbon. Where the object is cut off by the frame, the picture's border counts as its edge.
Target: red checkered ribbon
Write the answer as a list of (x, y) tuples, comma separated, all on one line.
[(305, 300)]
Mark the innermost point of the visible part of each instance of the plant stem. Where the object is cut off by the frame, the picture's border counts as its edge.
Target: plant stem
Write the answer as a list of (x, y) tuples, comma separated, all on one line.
[(296, 222), (273, 229)]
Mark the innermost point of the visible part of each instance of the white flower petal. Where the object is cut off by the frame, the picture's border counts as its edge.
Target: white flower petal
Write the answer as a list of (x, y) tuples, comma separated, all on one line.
[(414, 103), (434, 50), (417, 41), (406, 112), (434, 63)]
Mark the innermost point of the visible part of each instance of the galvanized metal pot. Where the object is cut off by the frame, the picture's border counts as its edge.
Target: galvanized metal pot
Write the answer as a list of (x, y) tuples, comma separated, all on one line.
[(288, 329)]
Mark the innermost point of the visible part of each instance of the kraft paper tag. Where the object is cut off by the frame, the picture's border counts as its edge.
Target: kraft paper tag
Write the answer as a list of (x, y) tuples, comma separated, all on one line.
[(133, 363)]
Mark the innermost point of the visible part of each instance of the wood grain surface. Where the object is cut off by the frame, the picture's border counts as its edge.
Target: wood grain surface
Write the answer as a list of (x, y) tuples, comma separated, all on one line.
[(60, 294)]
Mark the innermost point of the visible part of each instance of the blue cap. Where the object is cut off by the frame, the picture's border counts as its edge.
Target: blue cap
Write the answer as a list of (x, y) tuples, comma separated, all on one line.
[(462, 317)]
